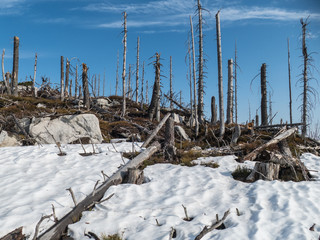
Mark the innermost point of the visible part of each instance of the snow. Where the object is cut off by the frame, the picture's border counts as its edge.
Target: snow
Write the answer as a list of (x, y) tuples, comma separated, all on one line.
[(33, 178)]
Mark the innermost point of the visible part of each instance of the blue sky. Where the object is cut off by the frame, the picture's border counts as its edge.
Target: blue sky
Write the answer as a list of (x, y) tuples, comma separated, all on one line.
[(91, 31)]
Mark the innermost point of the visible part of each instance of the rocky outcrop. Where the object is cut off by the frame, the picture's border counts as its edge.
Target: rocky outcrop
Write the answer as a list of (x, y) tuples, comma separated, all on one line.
[(65, 129)]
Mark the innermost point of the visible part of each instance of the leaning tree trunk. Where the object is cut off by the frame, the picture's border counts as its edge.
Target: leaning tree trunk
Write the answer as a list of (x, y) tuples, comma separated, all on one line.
[(264, 108), (15, 70), (200, 65), (86, 96), (156, 89), (137, 71), (124, 65), (34, 92), (305, 79), (61, 79), (230, 92), (290, 96), (220, 80), (194, 81), (5, 79)]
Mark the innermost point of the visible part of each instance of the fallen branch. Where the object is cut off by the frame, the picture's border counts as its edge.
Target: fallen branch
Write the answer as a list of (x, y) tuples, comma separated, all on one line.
[(56, 231), (214, 226), (251, 156), (38, 225)]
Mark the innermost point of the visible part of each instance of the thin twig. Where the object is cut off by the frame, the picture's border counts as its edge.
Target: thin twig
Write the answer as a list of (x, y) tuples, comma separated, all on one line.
[(38, 225), (54, 214)]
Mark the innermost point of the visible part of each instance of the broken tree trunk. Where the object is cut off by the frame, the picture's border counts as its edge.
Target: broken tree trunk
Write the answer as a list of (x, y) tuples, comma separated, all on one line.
[(264, 109), (14, 235), (200, 65), (66, 86), (264, 171), (55, 231), (236, 134), (230, 92), (15, 70), (4, 77), (251, 156), (137, 71), (124, 65), (213, 110), (34, 92), (156, 89), (85, 87), (61, 79), (169, 148), (156, 130)]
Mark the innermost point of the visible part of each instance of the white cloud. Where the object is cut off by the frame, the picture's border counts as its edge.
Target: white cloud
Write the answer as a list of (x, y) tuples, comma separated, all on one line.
[(9, 7)]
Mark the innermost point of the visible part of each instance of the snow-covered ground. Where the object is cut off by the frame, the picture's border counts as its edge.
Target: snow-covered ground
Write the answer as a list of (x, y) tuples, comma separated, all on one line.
[(33, 178)]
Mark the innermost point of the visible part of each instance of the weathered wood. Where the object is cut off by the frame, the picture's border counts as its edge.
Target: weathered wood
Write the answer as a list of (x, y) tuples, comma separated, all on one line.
[(156, 130), (5, 79), (124, 64), (169, 148), (236, 134), (200, 66), (155, 99), (264, 112), (266, 171), (55, 231), (278, 125), (85, 87), (185, 110), (61, 79), (251, 156), (214, 226), (137, 71), (135, 176), (213, 110), (230, 92), (14, 235), (34, 92), (15, 70)]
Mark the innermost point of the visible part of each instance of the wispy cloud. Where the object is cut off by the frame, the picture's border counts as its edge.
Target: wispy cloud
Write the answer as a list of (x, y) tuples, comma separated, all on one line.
[(10, 7)]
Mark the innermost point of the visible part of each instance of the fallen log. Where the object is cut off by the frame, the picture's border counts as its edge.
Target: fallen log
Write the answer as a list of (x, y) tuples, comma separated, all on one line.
[(279, 125), (187, 111), (14, 235), (251, 156), (156, 130), (57, 230)]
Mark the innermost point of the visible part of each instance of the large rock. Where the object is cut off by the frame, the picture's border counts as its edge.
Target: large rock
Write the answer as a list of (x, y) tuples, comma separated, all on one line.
[(66, 129), (7, 141)]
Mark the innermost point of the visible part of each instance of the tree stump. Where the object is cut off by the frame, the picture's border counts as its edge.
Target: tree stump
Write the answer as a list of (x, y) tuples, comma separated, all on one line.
[(264, 171)]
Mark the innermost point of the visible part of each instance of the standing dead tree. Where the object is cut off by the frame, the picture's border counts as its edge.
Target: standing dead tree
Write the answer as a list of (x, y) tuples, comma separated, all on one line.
[(15, 70), (171, 89), (142, 82), (264, 108), (61, 79), (124, 64), (289, 73), (85, 87), (213, 110), (117, 74), (104, 83), (137, 71), (155, 100), (230, 92), (66, 87), (190, 83), (34, 92), (76, 83), (200, 66), (220, 79), (194, 81), (129, 83), (235, 84), (5, 79)]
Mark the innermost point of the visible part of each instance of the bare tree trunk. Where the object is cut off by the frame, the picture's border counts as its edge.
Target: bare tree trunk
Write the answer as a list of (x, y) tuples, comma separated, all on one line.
[(104, 83), (80, 92), (76, 83), (70, 88), (142, 82), (169, 148), (230, 92), (137, 71), (117, 74), (171, 90), (290, 96), (147, 90), (213, 110), (5, 79), (190, 83), (124, 65), (61, 79), (305, 78), (86, 96), (34, 92), (15, 70), (129, 82), (194, 81), (200, 65), (220, 80), (270, 109), (235, 84), (156, 89), (67, 78), (264, 108)]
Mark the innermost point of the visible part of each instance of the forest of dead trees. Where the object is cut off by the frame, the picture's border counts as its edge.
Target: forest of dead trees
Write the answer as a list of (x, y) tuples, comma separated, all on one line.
[(76, 83)]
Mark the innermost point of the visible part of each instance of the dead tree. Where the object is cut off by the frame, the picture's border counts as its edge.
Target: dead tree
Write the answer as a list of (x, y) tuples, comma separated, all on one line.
[(124, 65), (213, 110), (264, 108), (156, 89), (235, 84), (85, 87), (190, 83), (129, 83), (200, 66), (171, 90), (230, 92), (289, 73), (104, 83), (66, 87), (61, 79), (169, 148), (15, 70), (147, 89), (117, 74), (76, 83), (194, 81), (142, 82), (270, 109), (137, 71), (5, 79), (34, 92), (220, 79)]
